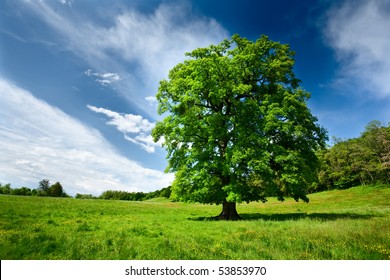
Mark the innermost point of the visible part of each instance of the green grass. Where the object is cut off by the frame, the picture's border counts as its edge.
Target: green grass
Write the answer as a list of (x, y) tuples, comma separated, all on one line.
[(339, 224)]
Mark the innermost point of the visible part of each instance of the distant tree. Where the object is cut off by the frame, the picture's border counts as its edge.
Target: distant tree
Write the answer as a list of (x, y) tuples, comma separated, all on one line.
[(377, 139), (6, 189), (138, 196), (237, 127), (359, 161), (43, 188), (107, 195), (133, 196), (21, 191), (55, 190), (34, 192), (122, 195), (85, 196), (166, 192)]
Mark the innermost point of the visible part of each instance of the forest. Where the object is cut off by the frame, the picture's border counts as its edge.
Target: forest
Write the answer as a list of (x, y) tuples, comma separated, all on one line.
[(364, 160)]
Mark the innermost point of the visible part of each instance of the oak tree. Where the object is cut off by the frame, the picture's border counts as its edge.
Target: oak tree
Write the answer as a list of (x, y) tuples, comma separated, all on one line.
[(236, 125)]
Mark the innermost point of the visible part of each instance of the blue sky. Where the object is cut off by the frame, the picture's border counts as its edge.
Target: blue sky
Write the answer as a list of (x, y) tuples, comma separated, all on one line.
[(78, 78)]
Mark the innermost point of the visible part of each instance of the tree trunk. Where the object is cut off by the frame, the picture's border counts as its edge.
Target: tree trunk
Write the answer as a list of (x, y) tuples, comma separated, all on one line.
[(229, 212)]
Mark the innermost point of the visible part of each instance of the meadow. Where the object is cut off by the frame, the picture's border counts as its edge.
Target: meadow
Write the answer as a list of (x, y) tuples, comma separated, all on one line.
[(337, 224)]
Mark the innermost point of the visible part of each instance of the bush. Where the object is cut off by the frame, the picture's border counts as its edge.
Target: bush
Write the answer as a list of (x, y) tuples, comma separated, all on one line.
[(6, 189), (85, 196), (55, 190), (21, 191)]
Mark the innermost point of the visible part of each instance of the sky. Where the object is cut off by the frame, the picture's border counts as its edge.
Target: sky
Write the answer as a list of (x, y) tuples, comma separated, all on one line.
[(78, 78)]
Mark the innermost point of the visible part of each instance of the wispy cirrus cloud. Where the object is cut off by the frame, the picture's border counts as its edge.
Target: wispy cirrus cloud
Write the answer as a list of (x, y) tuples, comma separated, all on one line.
[(103, 78), (140, 46), (135, 125), (40, 141), (66, 2), (152, 100), (358, 32)]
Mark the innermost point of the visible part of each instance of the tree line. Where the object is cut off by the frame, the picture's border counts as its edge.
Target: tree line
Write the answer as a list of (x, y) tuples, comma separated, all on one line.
[(359, 161), (56, 190), (44, 189), (134, 196), (364, 160)]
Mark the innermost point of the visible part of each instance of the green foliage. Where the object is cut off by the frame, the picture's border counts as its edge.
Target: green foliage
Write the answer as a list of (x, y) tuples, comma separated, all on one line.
[(237, 127), (338, 224), (56, 190), (85, 196), (164, 192), (44, 185), (44, 189), (122, 195), (135, 196), (21, 191), (6, 189), (364, 160)]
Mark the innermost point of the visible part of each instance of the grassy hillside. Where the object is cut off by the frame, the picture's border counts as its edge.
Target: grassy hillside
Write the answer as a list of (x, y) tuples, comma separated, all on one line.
[(339, 224)]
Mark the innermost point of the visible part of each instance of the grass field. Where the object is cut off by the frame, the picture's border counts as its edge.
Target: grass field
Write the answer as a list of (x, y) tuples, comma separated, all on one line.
[(339, 224)]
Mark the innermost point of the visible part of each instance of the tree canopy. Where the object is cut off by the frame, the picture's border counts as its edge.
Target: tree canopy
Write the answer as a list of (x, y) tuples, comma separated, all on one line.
[(236, 126), (358, 161)]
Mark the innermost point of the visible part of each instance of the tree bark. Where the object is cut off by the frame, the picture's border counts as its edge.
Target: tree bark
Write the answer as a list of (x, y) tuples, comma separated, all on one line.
[(229, 212)]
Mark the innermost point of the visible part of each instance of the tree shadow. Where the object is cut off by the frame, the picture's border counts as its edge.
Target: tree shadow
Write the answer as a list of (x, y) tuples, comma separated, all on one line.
[(299, 216), (293, 217)]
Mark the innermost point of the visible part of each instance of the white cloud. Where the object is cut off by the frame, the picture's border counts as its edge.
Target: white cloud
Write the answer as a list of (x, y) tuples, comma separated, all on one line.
[(66, 2), (152, 100), (142, 47), (158, 41), (103, 78), (145, 141), (40, 141), (131, 124), (125, 122), (358, 32)]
